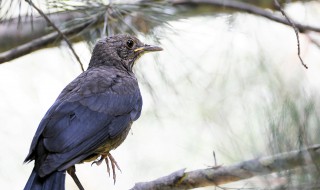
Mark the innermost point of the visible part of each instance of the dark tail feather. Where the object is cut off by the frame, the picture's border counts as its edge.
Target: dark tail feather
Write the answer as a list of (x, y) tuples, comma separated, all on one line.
[(54, 181)]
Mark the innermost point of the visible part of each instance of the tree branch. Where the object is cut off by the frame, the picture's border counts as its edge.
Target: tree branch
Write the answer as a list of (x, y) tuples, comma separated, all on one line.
[(245, 7), (19, 31), (48, 39), (240, 171), (64, 37), (296, 31), (40, 42)]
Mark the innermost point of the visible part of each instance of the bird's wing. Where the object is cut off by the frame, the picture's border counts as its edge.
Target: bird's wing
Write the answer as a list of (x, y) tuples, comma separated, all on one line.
[(96, 106)]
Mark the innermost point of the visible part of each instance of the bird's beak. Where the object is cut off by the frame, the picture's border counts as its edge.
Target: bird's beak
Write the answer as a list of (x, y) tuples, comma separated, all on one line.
[(148, 48)]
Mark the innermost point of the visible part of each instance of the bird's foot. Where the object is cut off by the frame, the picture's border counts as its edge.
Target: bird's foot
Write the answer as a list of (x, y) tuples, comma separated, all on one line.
[(98, 162), (108, 157), (114, 164)]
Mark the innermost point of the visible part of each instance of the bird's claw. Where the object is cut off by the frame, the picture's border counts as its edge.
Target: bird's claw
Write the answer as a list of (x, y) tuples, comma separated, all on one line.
[(108, 157), (98, 162), (114, 165)]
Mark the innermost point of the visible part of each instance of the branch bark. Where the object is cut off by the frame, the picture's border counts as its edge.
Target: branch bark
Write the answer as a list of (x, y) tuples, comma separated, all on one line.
[(17, 31), (46, 39), (245, 7), (240, 171), (40, 43), (64, 37)]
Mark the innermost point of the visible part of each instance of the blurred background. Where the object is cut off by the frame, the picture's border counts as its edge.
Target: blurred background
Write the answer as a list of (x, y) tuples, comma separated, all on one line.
[(227, 81)]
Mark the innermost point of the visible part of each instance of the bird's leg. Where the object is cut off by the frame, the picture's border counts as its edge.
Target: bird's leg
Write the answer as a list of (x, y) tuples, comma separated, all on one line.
[(72, 172)]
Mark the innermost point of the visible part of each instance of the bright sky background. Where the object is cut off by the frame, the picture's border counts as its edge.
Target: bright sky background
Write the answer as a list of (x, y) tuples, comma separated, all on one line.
[(171, 133)]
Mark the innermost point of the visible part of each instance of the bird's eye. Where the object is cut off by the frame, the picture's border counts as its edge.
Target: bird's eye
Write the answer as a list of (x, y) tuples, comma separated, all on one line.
[(130, 44)]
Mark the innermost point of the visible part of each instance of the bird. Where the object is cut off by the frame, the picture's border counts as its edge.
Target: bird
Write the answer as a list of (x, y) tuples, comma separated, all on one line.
[(92, 115)]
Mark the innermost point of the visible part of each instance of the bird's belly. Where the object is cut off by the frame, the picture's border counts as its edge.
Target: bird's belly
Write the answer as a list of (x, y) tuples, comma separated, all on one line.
[(111, 143)]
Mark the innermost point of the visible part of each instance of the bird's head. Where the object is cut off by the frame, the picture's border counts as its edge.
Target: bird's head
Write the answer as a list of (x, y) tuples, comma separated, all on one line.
[(120, 50)]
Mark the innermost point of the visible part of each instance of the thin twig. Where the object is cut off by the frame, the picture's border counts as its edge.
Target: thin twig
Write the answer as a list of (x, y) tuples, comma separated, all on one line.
[(214, 157), (296, 31), (58, 30), (216, 167)]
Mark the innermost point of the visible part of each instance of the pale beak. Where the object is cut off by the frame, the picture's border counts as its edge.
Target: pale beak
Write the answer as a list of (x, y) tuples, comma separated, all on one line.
[(148, 48)]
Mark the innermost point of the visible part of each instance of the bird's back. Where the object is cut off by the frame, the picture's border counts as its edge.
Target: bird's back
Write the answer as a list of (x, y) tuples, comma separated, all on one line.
[(92, 114)]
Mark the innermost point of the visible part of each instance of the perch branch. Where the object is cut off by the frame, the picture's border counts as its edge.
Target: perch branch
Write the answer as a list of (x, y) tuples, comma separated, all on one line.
[(181, 180)]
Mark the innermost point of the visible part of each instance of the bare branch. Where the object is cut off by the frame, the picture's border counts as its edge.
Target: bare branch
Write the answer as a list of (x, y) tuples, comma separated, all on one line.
[(40, 42), (245, 7), (58, 30), (296, 31), (33, 27), (240, 171), (49, 39)]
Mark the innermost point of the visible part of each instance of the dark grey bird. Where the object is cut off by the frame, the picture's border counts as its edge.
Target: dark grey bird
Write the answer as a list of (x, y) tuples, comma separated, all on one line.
[(92, 115)]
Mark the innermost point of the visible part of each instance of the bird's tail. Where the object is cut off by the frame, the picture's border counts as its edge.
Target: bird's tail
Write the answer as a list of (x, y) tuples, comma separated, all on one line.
[(54, 181)]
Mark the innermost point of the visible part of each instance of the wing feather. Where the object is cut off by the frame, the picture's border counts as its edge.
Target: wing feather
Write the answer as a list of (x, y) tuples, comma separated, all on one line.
[(97, 106)]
